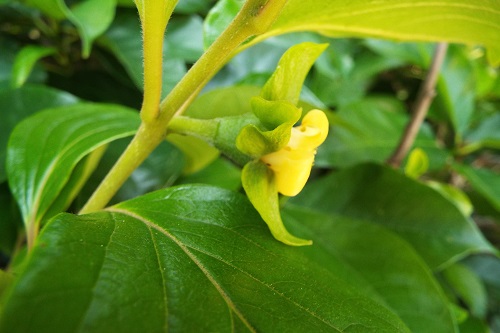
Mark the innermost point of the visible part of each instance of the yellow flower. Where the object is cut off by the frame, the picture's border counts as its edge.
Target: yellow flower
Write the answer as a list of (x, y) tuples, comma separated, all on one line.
[(292, 164)]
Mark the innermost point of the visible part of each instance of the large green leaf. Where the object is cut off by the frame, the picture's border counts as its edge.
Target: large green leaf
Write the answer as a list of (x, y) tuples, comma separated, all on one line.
[(484, 181), (184, 259), (429, 222), (455, 21), (44, 148), (389, 264), (370, 130), (17, 104)]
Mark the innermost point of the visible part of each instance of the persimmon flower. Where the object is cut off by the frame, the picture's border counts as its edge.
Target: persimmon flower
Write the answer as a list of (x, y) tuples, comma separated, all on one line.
[(292, 164)]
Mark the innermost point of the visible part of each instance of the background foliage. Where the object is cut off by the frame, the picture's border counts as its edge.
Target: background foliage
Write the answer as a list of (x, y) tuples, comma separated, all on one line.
[(413, 249)]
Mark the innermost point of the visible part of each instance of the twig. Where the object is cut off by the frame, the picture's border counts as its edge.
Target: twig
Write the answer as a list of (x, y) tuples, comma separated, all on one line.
[(421, 107)]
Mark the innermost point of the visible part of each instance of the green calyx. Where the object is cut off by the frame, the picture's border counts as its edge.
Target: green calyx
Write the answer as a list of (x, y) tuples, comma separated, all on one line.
[(276, 119)]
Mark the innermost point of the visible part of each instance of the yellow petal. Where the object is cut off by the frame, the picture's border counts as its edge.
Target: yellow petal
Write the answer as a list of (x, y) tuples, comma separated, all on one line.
[(292, 164), (291, 169), (311, 133)]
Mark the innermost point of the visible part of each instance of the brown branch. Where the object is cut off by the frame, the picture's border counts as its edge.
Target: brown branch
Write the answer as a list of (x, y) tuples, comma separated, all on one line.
[(421, 107)]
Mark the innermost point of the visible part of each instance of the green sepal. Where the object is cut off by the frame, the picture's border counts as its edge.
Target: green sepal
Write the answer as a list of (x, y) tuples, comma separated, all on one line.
[(274, 113), (218, 132), (273, 131), (256, 143), (227, 133), (287, 80), (260, 187)]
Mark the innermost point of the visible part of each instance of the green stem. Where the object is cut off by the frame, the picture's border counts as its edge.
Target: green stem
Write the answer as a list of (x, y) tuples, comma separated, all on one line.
[(205, 129), (144, 142), (255, 17)]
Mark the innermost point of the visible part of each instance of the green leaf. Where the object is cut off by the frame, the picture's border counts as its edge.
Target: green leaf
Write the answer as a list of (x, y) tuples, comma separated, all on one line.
[(184, 38), (390, 265), (6, 280), (91, 17), (10, 49), (468, 288), (287, 80), (185, 259), (220, 172), (456, 91), (484, 181), (370, 131), (454, 101), (193, 6), (218, 19), (25, 61), (81, 173), (260, 187), (198, 153), (429, 222), (17, 104), (160, 169), (44, 148), (346, 70), (454, 195), (408, 20), (124, 40), (223, 102), (486, 134)]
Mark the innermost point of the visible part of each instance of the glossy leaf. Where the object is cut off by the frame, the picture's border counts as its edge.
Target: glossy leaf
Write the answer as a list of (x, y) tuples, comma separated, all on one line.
[(135, 267), (484, 181), (17, 104), (370, 131), (429, 222), (450, 20), (390, 265), (25, 61), (44, 149)]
